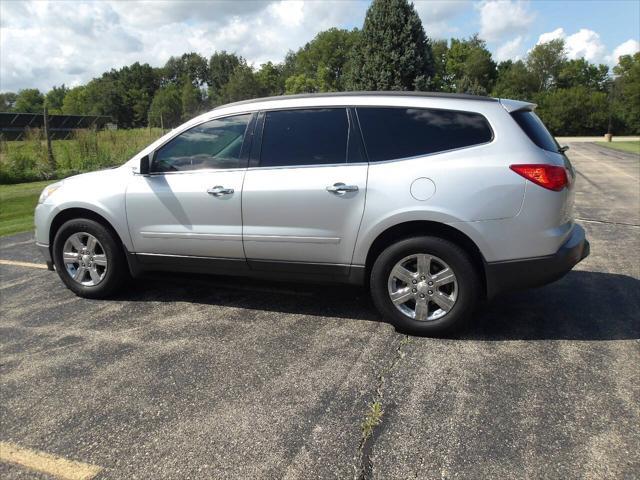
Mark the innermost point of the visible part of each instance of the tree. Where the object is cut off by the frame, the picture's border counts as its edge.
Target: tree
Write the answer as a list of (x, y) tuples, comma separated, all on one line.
[(191, 98), (545, 62), (627, 91), (29, 100), (440, 81), (191, 67), (221, 66), (138, 84), (242, 85), (580, 72), (393, 52), (300, 84), (271, 79), (573, 111), (288, 67), (7, 101), (55, 98), (75, 102), (102, 96), (326, 59), (166, 107), (125, 95), (515, 81), (469, 66)]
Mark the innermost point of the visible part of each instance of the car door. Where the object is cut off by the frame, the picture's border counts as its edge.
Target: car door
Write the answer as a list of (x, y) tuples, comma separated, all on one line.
[(190, 203), (304, 193)]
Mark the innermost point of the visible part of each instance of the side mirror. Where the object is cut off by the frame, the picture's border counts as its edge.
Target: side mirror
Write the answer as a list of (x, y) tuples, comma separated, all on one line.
[(563, 149), (144, 165)]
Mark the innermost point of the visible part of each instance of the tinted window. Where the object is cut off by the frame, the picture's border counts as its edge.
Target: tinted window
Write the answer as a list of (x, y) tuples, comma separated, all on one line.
[(535, 130), (391, 133), (214, 144), (305, 137)]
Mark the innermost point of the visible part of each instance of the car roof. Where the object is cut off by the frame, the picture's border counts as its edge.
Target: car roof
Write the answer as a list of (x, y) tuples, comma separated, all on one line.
[(307, 96)]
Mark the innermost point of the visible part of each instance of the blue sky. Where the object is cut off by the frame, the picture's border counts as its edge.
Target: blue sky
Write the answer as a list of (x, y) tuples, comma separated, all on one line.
[(614, 21), (45, 43)]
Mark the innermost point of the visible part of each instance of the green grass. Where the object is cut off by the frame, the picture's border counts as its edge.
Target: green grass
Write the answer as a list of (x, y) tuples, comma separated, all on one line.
[(17, 203), (86, 150), (630, 147)]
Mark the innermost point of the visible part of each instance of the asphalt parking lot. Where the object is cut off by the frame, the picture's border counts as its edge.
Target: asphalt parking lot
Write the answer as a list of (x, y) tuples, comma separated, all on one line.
[(188, 377)]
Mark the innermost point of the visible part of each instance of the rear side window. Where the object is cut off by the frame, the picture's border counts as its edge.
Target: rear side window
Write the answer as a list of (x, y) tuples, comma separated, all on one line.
[(305, 137), (391, 133), (535, 130)]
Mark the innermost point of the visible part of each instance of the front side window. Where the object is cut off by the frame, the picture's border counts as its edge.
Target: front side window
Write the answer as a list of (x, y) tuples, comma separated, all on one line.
[(392, 133), (215, 144), (305, 137)]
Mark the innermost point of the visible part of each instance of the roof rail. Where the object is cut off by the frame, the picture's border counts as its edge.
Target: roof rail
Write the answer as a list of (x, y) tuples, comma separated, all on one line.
[(461, 96)]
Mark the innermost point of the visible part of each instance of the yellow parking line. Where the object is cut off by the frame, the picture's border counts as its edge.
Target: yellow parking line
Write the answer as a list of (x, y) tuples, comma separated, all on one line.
[(23, 264), (50, 464)]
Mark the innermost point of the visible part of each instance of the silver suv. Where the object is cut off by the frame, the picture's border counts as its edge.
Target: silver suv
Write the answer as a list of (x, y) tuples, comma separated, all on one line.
[(433, 201)]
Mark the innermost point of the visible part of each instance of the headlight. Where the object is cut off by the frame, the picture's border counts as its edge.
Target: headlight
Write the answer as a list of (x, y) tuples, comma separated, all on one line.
[(48, 191)]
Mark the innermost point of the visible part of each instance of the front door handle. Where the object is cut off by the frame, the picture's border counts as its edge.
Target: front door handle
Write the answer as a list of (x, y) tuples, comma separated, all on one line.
[(219, 190), (340, 188)]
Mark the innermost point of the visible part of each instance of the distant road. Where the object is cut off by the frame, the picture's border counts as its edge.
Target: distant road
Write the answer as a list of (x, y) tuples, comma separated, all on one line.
[(597, 139)]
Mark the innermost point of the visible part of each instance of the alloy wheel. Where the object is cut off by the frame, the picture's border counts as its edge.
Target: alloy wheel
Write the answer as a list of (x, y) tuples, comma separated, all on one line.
[(423, 287), (84, 259)]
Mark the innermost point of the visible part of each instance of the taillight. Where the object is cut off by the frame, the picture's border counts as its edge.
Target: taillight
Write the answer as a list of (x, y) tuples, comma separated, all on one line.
[(547, 176)]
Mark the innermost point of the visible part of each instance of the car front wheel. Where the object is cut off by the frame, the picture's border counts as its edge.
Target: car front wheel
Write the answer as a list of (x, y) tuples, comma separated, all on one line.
[(89, 259), (425, 286)]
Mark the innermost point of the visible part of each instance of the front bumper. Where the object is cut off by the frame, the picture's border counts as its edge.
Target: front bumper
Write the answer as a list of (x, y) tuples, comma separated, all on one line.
[(46, 253), (534, 272)]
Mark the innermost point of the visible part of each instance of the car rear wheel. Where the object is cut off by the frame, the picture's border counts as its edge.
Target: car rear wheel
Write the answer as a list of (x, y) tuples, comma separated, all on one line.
[(425, 286), (89, 259)]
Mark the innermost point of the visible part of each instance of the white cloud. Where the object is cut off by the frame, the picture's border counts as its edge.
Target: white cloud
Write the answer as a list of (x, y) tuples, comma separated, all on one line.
[(45, 43), (436, 15), (499, 18), (584, 43), (629, 47), (510, 50), (553, 35)]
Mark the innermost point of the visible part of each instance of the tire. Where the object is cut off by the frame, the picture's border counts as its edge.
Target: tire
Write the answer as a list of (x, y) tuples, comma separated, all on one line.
[(459, 294), (107, 260)]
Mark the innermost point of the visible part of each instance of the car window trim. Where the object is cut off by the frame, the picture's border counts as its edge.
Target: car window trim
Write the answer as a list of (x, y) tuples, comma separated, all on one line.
[(256, 147), (241, 160), (353, 113), (373, 162)]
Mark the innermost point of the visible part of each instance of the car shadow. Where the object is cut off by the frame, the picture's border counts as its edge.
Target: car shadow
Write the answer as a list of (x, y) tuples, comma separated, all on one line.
[(581, 306), (338, 301)]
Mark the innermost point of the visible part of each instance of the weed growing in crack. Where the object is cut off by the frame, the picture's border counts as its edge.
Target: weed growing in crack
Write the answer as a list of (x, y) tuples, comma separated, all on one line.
[(372, 419)]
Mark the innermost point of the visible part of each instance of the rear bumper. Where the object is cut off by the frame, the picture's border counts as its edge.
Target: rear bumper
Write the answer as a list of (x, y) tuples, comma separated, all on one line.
[(534, 272)]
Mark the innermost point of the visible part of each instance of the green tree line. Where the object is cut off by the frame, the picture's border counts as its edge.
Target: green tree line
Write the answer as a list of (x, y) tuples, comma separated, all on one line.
[(391, 51)]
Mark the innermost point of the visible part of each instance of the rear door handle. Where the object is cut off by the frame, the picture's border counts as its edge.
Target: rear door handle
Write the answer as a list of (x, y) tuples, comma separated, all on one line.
[(340, 188), (219, 190)]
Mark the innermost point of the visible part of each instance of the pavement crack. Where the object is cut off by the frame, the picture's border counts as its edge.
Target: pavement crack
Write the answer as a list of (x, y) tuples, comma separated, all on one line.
[(374, 414)]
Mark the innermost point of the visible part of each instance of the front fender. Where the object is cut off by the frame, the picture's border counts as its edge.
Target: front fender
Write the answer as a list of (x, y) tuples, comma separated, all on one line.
[(102, 193)]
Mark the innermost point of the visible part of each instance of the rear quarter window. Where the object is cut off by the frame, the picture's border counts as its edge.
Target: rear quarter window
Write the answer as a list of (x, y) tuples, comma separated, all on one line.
[(531, 124), (395, 132)]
